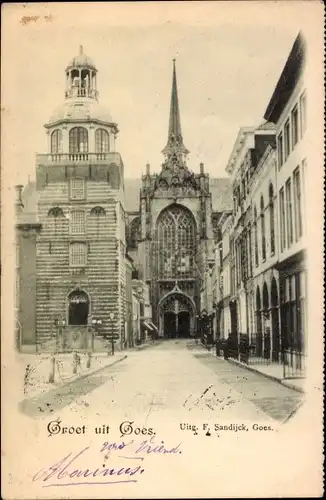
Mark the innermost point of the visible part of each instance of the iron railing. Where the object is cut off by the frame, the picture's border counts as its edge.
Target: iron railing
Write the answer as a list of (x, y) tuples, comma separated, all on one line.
[(258, 349)]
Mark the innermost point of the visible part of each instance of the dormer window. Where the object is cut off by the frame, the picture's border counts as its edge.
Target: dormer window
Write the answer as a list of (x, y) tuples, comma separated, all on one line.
[(78, 140)]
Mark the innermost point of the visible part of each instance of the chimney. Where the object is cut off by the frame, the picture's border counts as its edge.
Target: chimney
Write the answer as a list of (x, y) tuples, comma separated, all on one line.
[(19, 202), (201, 168), (148, 169)]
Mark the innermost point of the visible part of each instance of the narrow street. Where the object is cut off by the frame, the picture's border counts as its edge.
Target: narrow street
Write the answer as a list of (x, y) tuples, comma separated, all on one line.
[(176, 378)]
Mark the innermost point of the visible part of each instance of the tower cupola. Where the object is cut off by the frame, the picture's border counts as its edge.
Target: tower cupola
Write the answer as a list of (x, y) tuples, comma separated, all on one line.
[(81, 79)]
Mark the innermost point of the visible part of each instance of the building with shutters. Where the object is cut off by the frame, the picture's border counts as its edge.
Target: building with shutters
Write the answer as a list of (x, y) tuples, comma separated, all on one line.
[(287, 109), (80, 247)]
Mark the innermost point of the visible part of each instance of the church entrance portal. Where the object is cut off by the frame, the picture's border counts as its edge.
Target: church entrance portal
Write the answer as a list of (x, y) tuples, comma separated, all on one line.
[(177, 317)]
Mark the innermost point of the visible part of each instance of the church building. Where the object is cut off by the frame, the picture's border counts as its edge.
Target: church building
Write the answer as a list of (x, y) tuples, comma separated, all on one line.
[(85, 221), (171, 236)]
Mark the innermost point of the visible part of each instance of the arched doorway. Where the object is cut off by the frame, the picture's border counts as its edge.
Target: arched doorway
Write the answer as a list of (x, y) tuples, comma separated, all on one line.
[(267, 324), (176, 316), (78, 308), (275, 321)]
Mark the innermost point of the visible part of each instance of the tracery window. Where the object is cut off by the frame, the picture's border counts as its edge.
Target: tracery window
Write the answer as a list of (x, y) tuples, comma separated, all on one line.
[(78, 140), (175, 243), (102, 141)]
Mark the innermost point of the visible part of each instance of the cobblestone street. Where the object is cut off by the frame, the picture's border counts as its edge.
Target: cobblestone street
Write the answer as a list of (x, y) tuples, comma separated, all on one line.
[(175, 377)]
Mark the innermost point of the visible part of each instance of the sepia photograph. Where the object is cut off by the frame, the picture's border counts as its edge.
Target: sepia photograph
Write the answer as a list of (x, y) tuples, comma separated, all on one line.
[(162, 249)]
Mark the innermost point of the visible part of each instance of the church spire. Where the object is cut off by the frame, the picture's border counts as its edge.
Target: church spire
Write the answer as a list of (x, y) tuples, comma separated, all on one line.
[(175, 140)]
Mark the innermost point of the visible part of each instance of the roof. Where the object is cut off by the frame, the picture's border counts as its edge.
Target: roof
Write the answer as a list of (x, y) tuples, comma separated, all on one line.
[(82, 109), (81, 60), (267, 126), (287, 81)]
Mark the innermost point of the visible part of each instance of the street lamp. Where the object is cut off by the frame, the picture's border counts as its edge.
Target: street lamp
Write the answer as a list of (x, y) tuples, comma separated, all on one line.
[(112, 317)]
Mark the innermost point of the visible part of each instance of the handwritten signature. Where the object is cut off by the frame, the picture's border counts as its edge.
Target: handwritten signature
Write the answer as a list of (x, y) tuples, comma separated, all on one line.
[(67, 472)]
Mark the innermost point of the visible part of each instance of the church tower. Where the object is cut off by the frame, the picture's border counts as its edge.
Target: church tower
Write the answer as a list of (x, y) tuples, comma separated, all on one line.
[(175, 233), (80, 278)]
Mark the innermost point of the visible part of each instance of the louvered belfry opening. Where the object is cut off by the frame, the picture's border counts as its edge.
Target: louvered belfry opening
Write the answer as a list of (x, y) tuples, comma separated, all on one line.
[(175, 243)]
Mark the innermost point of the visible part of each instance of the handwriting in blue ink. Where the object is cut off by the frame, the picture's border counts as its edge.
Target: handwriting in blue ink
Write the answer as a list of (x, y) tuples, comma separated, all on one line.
[(66, 472)]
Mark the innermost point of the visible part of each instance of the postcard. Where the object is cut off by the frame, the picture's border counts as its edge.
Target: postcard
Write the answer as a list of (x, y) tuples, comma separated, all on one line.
[(162, 213)]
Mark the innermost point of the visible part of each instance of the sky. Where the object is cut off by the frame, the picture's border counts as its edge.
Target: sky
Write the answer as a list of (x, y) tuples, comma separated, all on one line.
[(228, 61)]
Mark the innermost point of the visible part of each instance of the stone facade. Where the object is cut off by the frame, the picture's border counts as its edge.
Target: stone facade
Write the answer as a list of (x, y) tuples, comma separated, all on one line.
[(80, 250), (172, 235), (260, 249)]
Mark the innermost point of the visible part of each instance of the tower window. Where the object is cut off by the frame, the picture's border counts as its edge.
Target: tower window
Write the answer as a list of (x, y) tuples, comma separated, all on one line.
[(77, 189), (55, 212), (99, 211), (56, 141), (78, 140), (102, 141), (77, 254), (78, 222)]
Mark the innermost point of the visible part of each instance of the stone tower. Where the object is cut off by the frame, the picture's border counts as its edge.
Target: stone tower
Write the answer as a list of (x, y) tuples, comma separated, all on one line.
[(175, 232), (80, 249)]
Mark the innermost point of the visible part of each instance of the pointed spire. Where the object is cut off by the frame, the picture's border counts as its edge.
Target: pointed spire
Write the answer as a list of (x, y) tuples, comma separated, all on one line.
[(81, 50), (175, 140)]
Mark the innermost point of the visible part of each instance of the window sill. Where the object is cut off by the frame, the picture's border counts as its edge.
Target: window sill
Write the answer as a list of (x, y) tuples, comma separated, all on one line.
[(77, 269)]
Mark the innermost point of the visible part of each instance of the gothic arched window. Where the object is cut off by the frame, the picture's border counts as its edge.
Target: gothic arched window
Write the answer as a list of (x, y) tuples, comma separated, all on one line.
[(78, 140), (175, 243), (272, 217), (262, 223), (102, 141), (56, 141)]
